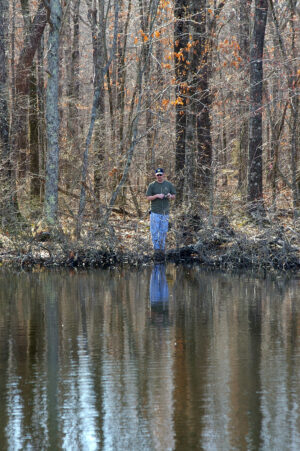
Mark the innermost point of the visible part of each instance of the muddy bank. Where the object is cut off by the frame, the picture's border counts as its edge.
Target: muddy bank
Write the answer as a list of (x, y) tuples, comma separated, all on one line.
[(213, 247), (220, 250)]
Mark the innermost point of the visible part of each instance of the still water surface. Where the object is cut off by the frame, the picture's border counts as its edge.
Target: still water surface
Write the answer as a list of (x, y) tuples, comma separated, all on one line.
[(164, 358)]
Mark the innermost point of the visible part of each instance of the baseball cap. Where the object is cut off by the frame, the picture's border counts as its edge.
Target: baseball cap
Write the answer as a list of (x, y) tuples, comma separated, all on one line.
[(159, 171)]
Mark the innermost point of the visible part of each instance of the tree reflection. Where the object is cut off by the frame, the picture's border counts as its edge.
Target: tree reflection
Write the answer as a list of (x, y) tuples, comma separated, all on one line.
[(158, 358)]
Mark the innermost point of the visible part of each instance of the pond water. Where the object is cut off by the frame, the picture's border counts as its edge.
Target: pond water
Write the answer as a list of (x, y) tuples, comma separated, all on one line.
[(163, 358)]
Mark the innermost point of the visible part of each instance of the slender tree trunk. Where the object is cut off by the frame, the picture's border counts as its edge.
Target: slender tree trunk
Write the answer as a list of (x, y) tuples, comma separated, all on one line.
[(181, 37), (277, 118), (112, 84), (148, 89), (5, 170), (34, 136), (149, 121), (100, 127), (244, 44), (4, 119), (71, 156), (13, 54), (23, 69), (120, 88), (70, 47), (24, 101), (255, 161), (52, 115), (189, 167), (122, 71), (111, 106), (41, 114), (190, 112), (68, 64), (294, 155), (202, 97), (75, 85)]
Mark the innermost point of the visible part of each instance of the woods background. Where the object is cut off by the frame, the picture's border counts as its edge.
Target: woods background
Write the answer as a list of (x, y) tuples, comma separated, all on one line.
[(94, 94)]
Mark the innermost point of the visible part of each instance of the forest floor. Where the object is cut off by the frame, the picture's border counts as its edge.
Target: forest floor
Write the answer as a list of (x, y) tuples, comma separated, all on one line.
[(224, 242)]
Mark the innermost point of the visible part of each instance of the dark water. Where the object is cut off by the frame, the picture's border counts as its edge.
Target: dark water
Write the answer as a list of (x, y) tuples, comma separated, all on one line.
[(159, 359)]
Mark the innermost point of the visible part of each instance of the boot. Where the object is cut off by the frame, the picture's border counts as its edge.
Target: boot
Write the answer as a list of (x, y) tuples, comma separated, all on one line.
[(156, 254), (159, 254)]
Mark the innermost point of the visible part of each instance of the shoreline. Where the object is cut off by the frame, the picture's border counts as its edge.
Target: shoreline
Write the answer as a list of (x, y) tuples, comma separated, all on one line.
[(220, 246), (233, 257)]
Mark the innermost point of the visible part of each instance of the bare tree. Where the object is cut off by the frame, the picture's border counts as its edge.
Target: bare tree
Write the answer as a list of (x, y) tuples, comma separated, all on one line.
[(255, 162), (35, 185), (52, 114), (244, 48), (202, 98), (5, 170), (74, 93), (181, 38), (97, 92), (99, 59), (23, 70), (133, 132)]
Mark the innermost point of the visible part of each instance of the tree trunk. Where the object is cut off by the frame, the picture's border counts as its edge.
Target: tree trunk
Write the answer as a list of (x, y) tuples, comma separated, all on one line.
[(23, 69), (5, 172), (202, 102), (100, 127), (34, 137), (4, 118), (294, 156), (75, 91), (41, 114), (67, 32), (24, 102), (277, 118), (244, 44), (70, 46), (147, 75), (52, 115), (181, 37), (189, 168), (122, 72), (255, 161), (13, 54)]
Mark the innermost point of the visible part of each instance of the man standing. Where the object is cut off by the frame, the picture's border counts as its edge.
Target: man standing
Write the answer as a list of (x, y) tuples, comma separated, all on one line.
[(159, 194)]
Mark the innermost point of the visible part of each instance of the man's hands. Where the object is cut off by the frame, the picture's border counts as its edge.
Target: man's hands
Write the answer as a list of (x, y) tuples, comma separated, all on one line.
[(162, 196), (170, 196)]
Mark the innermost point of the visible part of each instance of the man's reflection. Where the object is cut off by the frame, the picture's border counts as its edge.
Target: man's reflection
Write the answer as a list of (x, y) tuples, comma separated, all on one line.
[(159, 293)]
